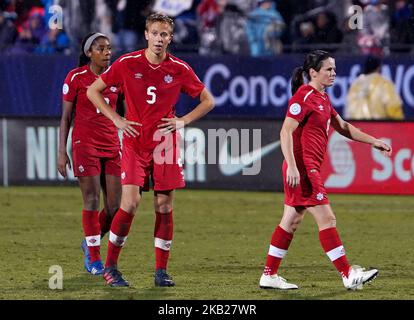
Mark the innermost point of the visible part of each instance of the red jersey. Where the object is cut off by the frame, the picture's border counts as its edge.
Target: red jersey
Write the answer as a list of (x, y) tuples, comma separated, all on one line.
[(313, 111), (90, 127), (151, 90)]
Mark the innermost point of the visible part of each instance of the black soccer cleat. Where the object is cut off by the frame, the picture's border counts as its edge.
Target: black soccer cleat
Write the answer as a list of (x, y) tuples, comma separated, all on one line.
[(162, 279), (113, 277)]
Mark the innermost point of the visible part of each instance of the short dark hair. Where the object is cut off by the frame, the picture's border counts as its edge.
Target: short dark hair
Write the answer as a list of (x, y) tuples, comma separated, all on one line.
[(372, 63), (159, 17)]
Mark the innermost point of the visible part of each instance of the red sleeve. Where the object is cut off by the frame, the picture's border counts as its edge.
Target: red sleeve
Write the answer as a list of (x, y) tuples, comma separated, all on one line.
[(70, 89), (192, 84), (297, 109), (333, 112), (112, 76)]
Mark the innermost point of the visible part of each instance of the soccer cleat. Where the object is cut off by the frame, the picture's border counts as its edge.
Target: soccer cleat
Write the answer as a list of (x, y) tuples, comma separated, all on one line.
[(162, 279), (96, 268), (358, 276), (113, 277), (275, 282), (86, 256)]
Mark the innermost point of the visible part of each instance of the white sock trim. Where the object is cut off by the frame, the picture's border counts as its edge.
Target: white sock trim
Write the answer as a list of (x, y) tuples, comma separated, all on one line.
[(117, 240), (93, 241), (276, 252), (162, 244), (336, 253)]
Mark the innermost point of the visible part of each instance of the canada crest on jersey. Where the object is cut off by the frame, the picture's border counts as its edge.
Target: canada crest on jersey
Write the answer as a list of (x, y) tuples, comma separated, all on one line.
[(168, 78)]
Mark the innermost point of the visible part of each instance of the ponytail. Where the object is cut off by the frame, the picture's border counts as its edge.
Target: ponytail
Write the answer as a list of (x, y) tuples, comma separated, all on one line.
[(83, 60), (297, 79), (313, 60)]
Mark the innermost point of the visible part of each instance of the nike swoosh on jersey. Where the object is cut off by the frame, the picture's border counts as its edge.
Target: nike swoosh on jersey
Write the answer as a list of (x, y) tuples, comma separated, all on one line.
[(234, 165)]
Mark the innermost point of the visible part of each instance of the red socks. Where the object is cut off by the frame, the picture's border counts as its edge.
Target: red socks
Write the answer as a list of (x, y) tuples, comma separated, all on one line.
[(163, 234), (279, 245), (330, 242), (91, 229), (332, 245), (120, 227)]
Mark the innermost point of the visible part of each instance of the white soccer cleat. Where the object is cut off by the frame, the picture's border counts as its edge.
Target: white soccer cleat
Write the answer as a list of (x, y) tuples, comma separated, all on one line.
[(358, 276), (275, 282)]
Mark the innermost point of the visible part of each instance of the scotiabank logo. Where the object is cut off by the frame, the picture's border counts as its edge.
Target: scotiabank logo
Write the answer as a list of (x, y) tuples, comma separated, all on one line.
[(401, 164), (342, 162), (358, 168)]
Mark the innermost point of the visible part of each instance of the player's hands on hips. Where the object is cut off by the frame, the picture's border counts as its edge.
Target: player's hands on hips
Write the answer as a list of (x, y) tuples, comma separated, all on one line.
[(171, 124), (63, 160), (127, 126), (383, 147), (292, 176)]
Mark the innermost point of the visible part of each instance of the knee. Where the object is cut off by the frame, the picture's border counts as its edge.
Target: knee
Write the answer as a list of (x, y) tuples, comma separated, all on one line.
[(329, 222), (294, 227), (164, 207), (295, 224), (91, 201), (130, 205), (291, 225), (332, 222)]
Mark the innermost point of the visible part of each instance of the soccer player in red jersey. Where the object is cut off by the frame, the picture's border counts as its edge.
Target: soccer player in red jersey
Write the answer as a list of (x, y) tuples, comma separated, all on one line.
[(152, 80), (95, 145), (304, 138)]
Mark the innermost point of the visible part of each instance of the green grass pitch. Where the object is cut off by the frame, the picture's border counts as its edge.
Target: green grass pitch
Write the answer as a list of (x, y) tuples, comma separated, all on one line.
[(220, 243)]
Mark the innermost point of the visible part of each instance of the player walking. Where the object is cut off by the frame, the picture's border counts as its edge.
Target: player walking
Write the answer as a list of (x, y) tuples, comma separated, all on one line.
[(304, 138)]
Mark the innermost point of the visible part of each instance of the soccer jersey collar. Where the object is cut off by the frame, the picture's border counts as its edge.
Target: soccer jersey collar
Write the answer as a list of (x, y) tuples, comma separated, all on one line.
[(323, 95), (155, 66), (89, 71)]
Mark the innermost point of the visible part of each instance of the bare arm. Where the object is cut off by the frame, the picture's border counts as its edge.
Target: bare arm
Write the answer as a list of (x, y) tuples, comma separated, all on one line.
[(286, 140), (205, 106), (94, 94), (348, 130), (65, 122)]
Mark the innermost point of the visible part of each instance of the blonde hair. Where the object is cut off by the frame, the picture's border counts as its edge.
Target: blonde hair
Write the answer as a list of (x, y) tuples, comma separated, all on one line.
[(159, 17)]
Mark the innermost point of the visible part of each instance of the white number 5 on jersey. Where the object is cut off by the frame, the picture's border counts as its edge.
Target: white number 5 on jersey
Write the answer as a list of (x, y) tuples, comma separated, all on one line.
[(151, 93)]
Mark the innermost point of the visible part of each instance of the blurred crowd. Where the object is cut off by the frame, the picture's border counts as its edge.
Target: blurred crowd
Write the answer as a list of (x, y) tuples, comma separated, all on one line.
[(213, 27)]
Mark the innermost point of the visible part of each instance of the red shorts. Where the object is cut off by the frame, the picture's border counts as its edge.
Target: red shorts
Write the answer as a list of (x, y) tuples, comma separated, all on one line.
[(310, 192), (165, 168), (89, 161)]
